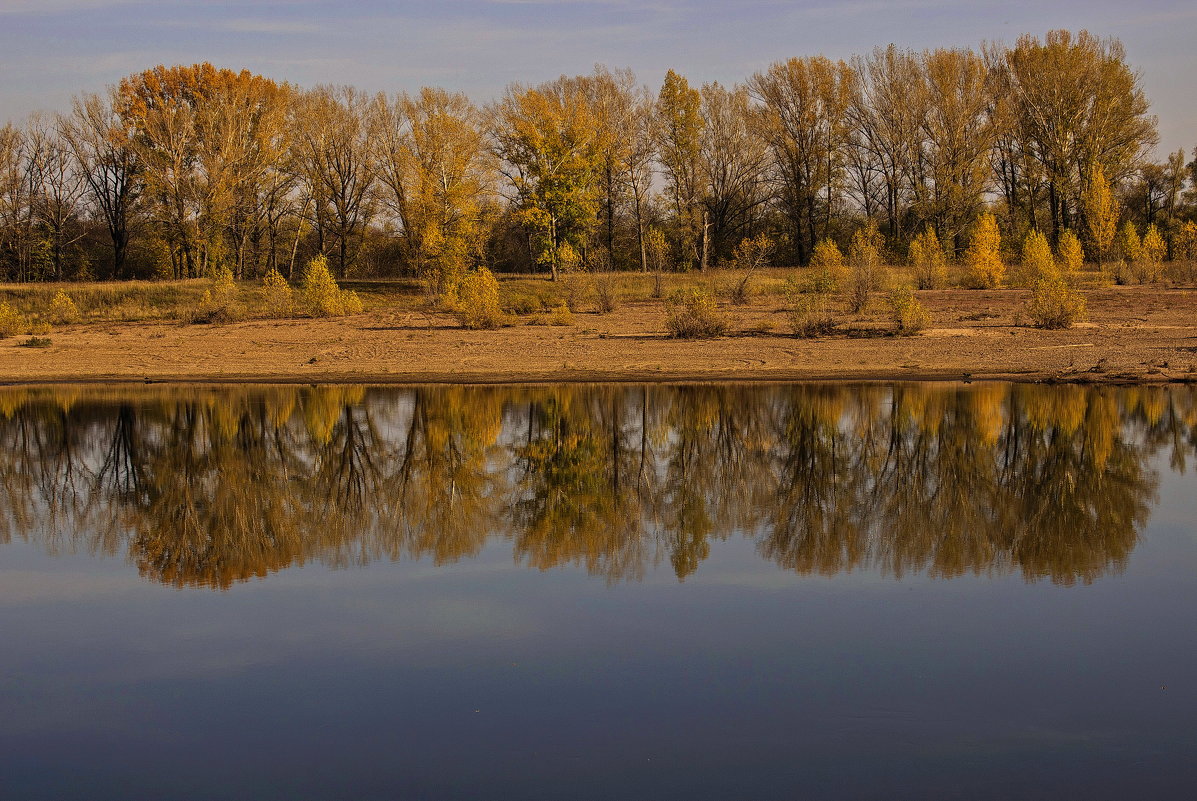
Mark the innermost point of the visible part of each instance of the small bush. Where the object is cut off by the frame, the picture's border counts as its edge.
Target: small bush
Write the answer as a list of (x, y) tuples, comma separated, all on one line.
[(693, 314), (606, 294), (908, 314), (574, 289), (809, 312), (280, 298), (219, 303), (37, 342), (864, 254), (63, 310), (478, 300), (1054, 304), (213, 310), (561, 315), (320, 294), (12, 322), (928, 262), (827, 266), (749, 256)]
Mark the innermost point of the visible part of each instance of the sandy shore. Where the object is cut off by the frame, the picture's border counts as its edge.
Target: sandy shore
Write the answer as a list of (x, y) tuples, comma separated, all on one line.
[(1134, 335)]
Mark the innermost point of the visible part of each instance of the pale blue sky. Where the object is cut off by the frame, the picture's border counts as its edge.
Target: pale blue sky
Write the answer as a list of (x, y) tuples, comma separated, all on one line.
[(51, 49)]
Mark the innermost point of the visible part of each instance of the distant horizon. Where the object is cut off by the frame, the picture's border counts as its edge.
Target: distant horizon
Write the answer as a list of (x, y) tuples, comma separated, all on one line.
[(56, 49)]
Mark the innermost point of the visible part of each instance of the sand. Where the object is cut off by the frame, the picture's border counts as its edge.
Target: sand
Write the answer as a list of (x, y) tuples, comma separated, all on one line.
[(1134, 335)]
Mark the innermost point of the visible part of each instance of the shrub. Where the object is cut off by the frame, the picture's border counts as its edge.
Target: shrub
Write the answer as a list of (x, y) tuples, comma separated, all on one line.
[(1152, 252), (1126, 269), (219, 303), (693, 314), (280, 298), (1037, 260), (478, 300), (63, 310), (827, 266), (656, 252), (12, 322), (984, 257), (907, 313), (606, 294), (1072, 256), (574, 288), (864, 255), (1054, 304), (749, 255), (320, 294), (560, 315), (928, 262), (37, 342), (809, 312), (1184, 253)]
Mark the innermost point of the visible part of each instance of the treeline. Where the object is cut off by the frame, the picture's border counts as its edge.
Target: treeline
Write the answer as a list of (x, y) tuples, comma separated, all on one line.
[(207, 488), (179, 170)]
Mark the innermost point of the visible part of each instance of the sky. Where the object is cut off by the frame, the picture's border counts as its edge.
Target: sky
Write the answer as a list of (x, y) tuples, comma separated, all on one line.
[(53, 49)]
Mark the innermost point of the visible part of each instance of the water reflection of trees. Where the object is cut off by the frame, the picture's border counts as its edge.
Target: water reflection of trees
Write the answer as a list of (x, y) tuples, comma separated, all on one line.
[(213, 486)]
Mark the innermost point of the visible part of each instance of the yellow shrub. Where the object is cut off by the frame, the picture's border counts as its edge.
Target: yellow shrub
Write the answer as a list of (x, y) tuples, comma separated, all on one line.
[(279, 295), (928, 262), (1072, 255), (63, 310), (907, 313), (827, 266), (1152, 252), (12, 322), (984, 258), (1055, 304), (478, 300), (321, 296), (1037, 260)]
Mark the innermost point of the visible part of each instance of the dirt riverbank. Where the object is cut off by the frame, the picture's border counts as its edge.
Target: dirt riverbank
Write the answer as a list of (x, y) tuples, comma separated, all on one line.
[(1138, 334)]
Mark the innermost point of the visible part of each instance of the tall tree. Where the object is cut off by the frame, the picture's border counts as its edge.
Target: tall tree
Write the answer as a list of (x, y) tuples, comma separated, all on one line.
[(549, 140), (679, 128), (806, 123), (101, 145), (1078, 105)]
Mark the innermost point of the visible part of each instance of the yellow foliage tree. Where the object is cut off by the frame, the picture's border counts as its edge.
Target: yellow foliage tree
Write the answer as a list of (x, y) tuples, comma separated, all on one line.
[(928, 262), (1184, 252), (1152, 252), (1072, 255), (1101, 213), (984, 259), (827, 267), (1037, 260)]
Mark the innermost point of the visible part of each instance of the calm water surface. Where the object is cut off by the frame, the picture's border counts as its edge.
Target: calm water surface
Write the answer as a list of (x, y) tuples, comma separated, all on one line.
[(908, 591)]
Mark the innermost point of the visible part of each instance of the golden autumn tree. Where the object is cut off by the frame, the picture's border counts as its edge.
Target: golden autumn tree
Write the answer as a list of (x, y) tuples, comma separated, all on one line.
[(203, 135), (438, 176), (550, 140), (1101, 213), (984, 257)]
